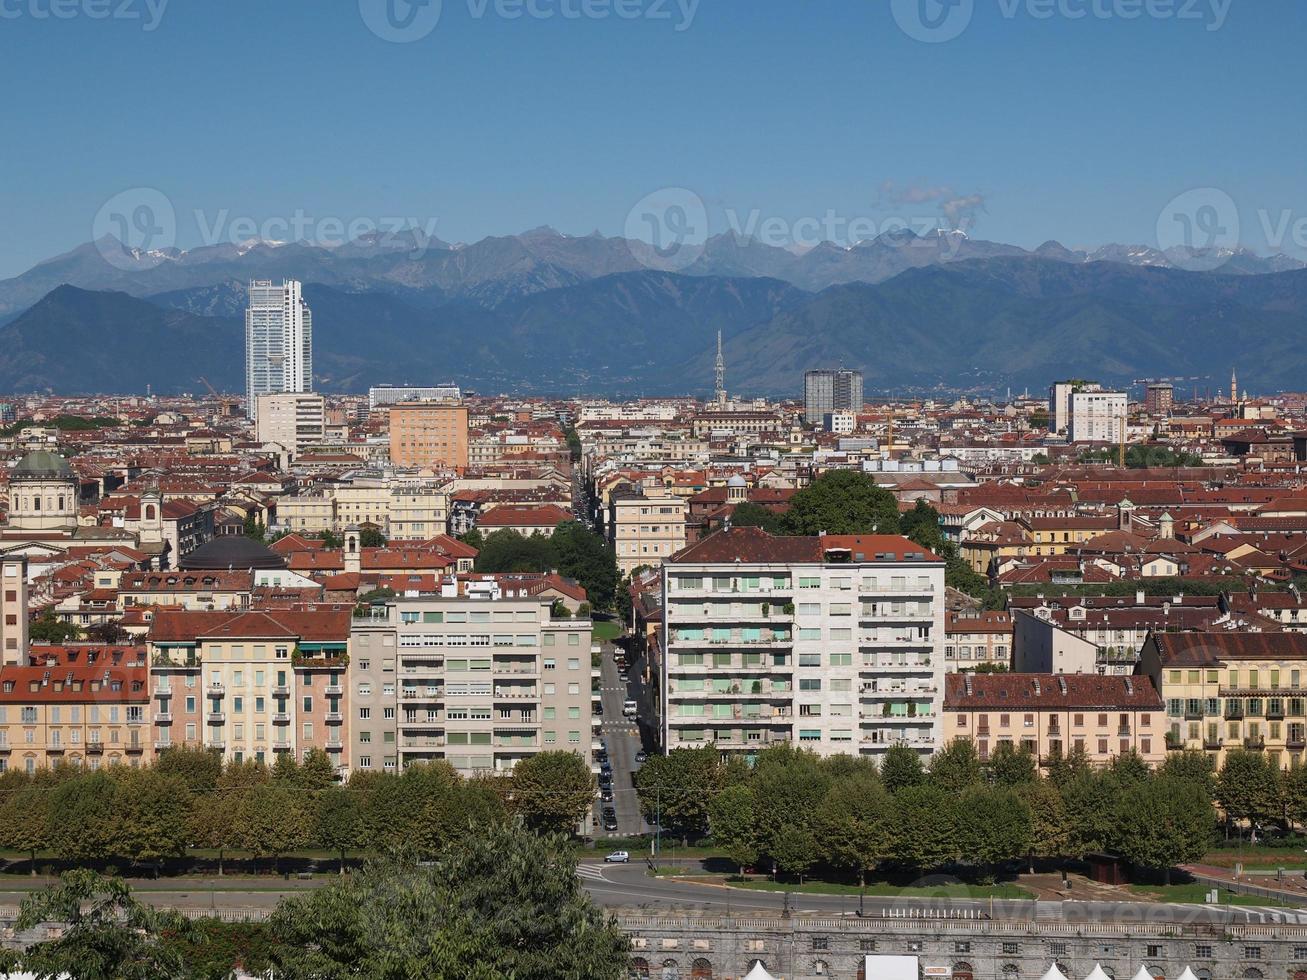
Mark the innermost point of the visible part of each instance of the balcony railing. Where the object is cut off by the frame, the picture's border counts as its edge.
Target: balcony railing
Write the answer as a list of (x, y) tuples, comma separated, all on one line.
[(1254, 741)]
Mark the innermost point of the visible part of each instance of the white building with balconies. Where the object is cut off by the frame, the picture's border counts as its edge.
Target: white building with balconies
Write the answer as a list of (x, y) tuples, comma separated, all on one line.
[(832, 642)]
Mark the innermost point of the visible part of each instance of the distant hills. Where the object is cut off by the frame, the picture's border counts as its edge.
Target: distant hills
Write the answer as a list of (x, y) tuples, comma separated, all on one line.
[(545, 312)]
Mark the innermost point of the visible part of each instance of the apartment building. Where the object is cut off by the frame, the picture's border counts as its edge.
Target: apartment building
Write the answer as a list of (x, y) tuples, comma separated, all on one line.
[(1232, 690), (429, 434), (278, 341), (250, 684), (483, 680), (1057, 714), (292, 420), (977, 639), (827, 391), (834, 642), (405, 508), (79, 704), (1098, 416), (645, 528)]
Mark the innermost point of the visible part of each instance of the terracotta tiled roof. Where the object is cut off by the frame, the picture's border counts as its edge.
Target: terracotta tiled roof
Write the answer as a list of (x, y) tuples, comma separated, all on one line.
[(1049, 692), (1197, 649)]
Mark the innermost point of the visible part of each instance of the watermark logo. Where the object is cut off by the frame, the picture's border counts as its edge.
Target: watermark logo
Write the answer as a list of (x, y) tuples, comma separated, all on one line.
[(1199, 229), (148, 13), (400, 21), (932, 21), (135, 228), (667, 229)]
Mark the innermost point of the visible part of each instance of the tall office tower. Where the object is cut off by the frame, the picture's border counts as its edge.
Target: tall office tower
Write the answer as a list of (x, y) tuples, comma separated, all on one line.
[(278, 342), (826, 391), (1159, 397)]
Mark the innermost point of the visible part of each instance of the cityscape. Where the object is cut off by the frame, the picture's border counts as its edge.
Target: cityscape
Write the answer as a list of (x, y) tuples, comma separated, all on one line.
[(827, 566)]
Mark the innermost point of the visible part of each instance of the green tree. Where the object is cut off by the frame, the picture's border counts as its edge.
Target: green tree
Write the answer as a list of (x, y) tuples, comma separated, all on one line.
[(748, 514), (370, 537), (843, 502), (197, 767), (1192, 765), (339, 821), (506, 550), (996, 824), (553, 790), (857, 820), (285, 769), (1129, 768), (108, 934), (1010, 765), (789, 785), (1247, 787), (317, 771), (1163, 822), (929, 828), (503, 903), (796, 850), (1091, 806), (585, 556), (901, 767), (921, 524), (49, 629), (733, 824), (24, 814), (1050, 828), (956, 766), (152, 815), (675, 789), (274, 820), (1064, 768), (82, 819), (254, 528)]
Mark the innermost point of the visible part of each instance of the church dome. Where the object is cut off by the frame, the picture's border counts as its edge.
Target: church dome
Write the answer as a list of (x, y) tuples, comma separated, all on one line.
[(234, 551), (42, 465)]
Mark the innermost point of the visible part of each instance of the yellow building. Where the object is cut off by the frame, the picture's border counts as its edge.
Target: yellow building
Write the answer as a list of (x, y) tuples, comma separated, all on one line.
[(1232, 690)]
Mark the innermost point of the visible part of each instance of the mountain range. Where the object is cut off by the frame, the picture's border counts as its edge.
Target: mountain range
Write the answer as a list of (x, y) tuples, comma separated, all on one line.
[(551, 313)]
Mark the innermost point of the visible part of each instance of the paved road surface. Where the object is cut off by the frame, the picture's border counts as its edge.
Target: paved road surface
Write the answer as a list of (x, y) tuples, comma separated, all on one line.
[(621, 735)]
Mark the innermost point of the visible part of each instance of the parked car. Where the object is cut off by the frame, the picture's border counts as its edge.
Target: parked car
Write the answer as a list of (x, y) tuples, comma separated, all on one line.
[(642, 756), (623, 676), (606, 795), (617, 857), (628, 708), (610, 824)]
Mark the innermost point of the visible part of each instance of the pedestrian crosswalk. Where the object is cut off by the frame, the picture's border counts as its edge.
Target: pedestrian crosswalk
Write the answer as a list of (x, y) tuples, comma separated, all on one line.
[(590, 872)]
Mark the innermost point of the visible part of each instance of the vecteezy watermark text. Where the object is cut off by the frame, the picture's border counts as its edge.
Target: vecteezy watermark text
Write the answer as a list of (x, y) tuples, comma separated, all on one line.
[(149, 13), (405, 21), (138, 227), (936, 21)]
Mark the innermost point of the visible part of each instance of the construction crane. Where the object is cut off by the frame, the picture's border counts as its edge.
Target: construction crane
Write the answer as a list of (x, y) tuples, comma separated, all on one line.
[(205, 381), (1150, 381)]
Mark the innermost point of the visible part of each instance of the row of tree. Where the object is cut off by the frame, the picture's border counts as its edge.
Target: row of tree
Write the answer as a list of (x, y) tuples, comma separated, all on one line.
[(503, 902), (793, 810), (572, 551), (190, 799)]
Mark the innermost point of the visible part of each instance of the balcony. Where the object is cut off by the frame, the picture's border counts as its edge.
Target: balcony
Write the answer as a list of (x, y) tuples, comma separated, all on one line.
[(1123, 732), (162, 691), (281, 746), (518, 693), (216, 718), (133, 748), (94, 748), (1275, 714), (1211, 742), (215, 689), (159, 745), (280, 691), (1233, 714), (334, 745), (1295, 742), (163, 717), (1254, 742), (1193, 714), (280, 718), (334, 717), (334, 690), (215, 743)]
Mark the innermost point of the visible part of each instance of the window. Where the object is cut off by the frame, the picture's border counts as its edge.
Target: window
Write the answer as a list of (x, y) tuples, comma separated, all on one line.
[(1252, 952), (1011, 949)]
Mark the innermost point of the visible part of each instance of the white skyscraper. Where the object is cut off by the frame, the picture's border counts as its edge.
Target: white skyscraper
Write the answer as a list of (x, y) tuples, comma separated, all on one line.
[(278, 342)]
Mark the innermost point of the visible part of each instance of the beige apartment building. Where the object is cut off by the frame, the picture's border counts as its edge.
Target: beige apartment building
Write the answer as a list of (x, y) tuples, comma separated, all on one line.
[(77, 704), (1057, 714), (482, 681), (429, 434), (406, 508), (252, 683), (977, 639), (292, 420), (645, 529), (1232, 690)]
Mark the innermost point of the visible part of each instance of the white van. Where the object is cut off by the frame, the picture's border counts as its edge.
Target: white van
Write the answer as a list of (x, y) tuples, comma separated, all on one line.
[(628, 709)]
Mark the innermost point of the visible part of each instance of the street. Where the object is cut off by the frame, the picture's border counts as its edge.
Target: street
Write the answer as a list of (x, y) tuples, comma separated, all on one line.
[(621, 735)]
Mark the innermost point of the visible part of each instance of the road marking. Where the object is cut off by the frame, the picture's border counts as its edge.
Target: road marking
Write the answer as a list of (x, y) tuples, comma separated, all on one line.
[(591, 872)]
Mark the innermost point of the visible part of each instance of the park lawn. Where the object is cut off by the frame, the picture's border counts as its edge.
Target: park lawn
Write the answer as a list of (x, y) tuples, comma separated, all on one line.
[(1196, 894), (606, 630), (1001, 890)]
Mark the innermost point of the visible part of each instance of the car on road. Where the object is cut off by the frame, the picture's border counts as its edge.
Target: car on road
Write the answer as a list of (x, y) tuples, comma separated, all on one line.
[(623, 676), (642, 756), (605, 780), (598, 708), (606, 796), (610, 824), (617, 857), (628, 708)]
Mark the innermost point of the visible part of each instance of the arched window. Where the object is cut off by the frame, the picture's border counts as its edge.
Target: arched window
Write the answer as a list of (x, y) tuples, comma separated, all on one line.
[(640, 967), (1011, 970), (820, 968), (701, 969), (962, 971), (670, 970), (1252, 973), (149, 512)]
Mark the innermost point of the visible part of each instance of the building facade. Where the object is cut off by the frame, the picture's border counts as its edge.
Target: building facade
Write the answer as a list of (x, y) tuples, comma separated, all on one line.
[(278, 341), (292, 420), (429, 434), (826, 391), (480, 680), (645, 529), (1097, 416), (832, 642)]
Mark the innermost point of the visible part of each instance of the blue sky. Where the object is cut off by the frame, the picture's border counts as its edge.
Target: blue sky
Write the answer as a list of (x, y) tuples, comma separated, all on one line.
[(1035, 125)]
